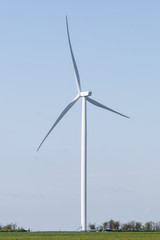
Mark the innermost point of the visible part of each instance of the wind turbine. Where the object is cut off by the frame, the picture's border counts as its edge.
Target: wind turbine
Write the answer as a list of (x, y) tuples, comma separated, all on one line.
[(85, 97)]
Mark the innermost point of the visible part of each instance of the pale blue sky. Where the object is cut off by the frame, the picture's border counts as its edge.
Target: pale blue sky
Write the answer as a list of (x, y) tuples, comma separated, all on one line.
[(116, 46)]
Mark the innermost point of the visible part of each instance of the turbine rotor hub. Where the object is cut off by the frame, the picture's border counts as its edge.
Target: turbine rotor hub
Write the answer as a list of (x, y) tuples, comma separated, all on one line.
[(85, 94)]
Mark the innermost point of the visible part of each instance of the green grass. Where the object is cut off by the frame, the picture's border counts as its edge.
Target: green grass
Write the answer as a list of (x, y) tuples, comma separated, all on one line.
[(80, 236)]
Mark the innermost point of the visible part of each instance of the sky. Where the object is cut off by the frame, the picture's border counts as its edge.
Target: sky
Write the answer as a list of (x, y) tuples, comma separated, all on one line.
[(117, 49)]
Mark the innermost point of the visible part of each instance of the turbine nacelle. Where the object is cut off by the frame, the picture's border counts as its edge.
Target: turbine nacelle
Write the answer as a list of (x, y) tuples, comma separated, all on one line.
[(85, 94)]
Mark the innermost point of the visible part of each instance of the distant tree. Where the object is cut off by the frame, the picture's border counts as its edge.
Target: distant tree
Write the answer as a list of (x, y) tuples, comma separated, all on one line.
[(157, 226), (125, 227), (92, 226), (7, 228), (105, 226), (116, 225), (14, 226), (153, 226), (111, 224), (130, 226), (138, 226), (149, 226)]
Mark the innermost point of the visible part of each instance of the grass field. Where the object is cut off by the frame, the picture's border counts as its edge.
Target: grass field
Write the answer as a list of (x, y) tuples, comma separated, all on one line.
[(80, 236)]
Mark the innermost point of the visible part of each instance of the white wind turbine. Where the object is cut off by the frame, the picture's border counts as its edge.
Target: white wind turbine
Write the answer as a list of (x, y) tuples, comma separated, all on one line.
[(85, 97)]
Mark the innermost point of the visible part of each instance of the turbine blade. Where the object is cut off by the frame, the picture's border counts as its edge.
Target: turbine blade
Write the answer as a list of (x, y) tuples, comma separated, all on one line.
[(60, 117), (102, 106), (73, 61)]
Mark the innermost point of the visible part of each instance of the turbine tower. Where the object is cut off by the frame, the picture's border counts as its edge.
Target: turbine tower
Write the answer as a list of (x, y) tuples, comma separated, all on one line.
[(85, 97)]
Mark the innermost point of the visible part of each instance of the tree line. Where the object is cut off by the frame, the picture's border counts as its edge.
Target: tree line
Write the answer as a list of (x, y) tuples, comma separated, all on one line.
[(12, 227), (131, 226)]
